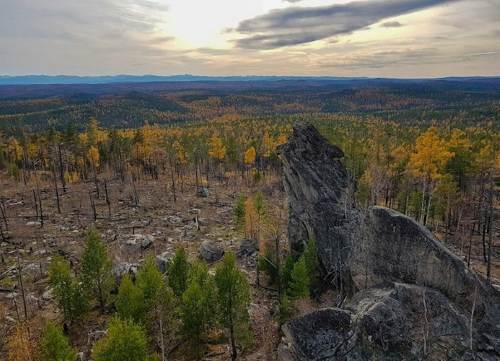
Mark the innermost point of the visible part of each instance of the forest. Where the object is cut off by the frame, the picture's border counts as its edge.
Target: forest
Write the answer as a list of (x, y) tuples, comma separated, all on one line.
[(152, 226)]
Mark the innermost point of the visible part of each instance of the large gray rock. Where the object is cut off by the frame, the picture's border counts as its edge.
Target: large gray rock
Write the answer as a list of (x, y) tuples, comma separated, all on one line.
[(211, 251), (403, 322), (320, 201), (393, 260), (163, 261)]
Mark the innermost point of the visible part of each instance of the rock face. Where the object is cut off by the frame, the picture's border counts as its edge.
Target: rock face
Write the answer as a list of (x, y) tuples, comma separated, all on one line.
[(319, 200), (410, 298)]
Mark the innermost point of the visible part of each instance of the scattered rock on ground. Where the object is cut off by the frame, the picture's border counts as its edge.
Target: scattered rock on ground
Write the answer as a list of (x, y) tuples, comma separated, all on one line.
[(210, 251)]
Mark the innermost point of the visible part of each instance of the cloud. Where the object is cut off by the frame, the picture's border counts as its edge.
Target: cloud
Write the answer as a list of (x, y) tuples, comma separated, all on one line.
[(487, 53), (391, 24), (300, 25), (385, 58)]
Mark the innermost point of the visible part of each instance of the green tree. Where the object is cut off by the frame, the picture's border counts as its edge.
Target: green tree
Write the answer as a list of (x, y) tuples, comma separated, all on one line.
[(54, 346), (162, 319), (198, 306), (129, 302), (239, 211), (158, 302), (286, 309), (67, 291), (125, 341), (233, 300), (299, 282), (286, 272), (96, 269), (312, 263), (178, 272), (150, 280)]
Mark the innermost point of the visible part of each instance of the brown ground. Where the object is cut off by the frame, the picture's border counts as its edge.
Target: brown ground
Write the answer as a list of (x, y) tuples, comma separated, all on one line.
[(171, 224)]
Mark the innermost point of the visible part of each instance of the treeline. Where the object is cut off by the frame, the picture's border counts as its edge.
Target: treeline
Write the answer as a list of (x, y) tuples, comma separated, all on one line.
[(475, 103), (152, 314)]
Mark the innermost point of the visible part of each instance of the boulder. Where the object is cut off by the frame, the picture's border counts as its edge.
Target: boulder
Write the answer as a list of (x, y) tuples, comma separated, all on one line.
[(163, 260), (319, 335), (123, 268), (210, 251), (140, 241), (402, 322), (248, 247), (202, 192)]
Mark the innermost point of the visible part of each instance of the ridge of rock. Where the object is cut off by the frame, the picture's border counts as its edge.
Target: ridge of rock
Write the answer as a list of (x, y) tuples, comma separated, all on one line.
[(396, 271)]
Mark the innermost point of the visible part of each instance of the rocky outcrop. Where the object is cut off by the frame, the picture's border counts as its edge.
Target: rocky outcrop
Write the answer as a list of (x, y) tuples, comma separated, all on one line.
[(410, 297), (319, 200)]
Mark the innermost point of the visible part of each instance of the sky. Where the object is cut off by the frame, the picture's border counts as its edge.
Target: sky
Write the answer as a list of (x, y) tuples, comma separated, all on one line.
[(391, 38)]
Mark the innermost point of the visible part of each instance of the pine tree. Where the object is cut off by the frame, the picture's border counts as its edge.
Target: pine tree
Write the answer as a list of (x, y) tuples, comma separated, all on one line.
[(96, 269), (67, 291), (129, 302), (198, 306), (162, 318), (299, 282), (149, 280), (312, 263), (233, 299), (125, 341), (286, 272), (239, 210), (178, 272), (54, 345), (286, 309)]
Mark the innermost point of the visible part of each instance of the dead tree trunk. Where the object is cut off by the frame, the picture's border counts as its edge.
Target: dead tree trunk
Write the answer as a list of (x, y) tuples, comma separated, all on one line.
[(92, 205), (21, 286), (3, 211), (61, 167), (108, 202), (55, 188)]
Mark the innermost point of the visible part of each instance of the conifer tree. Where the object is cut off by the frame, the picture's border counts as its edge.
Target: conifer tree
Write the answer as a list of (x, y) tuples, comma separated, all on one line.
[(312, 263), (125, 341), (233, 299), (178, 272), (129, 302), (299, 282), (198, 307), (96, 269), (67, 291), (54, 345), (239, 210)]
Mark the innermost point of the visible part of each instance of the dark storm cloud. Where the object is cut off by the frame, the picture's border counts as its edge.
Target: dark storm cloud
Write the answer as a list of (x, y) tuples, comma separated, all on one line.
[(391, 24), (299, 25)]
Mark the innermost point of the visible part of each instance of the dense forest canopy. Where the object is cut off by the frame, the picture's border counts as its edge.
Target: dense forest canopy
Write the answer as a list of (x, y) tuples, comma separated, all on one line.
[(33, 108)]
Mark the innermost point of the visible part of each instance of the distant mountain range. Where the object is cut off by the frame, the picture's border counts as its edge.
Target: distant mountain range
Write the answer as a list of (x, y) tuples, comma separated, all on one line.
[(108, 79)]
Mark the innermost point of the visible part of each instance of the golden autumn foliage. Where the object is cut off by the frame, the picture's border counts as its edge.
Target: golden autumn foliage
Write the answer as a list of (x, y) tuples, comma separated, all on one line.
[(217, 149), (430, 156), (250, 155), (251, 219), (93, 156)]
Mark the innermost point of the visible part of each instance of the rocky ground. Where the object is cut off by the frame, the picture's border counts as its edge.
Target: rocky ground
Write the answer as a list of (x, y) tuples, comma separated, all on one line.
[(202, 223)]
